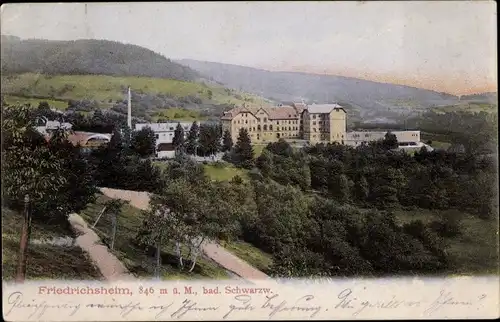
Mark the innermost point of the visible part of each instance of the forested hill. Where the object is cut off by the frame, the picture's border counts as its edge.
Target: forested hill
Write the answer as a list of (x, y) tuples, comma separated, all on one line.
[(84, 57), (368, 95)]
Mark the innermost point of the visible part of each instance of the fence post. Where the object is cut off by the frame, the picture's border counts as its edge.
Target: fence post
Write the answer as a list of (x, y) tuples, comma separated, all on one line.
[(23, 245)]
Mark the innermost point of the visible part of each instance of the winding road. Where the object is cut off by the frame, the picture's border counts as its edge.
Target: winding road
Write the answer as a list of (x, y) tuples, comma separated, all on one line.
[(210, 249)]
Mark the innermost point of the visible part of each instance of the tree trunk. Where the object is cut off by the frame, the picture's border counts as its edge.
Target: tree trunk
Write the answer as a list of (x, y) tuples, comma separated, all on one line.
[(25, 237), (195, 255), (178, 251), (158, 259), (102, 212), (113, 234)]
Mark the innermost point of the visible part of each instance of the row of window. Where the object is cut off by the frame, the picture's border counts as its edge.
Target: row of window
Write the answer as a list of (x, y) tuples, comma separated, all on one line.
[(265, 121), (265, 128)]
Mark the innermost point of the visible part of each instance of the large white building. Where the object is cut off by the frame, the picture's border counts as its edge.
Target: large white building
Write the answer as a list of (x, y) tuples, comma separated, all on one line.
[(165, 133), (406, 139)]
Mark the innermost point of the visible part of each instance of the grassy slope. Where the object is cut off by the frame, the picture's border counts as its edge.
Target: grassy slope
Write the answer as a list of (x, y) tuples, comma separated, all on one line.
[(104, 88), (472, 107), (224, 174), (251, 254), (179, 114), (44, 261), (135, 259)]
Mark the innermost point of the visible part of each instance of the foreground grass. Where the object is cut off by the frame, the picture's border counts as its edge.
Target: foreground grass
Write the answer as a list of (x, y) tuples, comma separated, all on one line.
[(257, 149), (44, 261), (251, 254), (225, 173), (142, 262), (475, 251)]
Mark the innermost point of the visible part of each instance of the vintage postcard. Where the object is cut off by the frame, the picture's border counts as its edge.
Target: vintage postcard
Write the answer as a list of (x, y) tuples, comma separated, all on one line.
[(249, 161)]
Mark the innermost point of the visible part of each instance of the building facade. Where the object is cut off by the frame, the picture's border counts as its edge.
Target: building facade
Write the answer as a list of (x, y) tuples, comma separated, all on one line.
[(165, 133), (324, 123), (314, 123), (405, 138)]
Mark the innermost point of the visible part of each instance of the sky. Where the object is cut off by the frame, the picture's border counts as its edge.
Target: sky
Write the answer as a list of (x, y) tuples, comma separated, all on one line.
[(445, 46)]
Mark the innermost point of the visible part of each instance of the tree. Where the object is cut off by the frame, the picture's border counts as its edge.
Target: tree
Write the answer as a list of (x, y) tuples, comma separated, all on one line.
[(178, 140), (113, 207), (243, 151), (281, 147), (144, 142), (227, 141), (361, 189), (209, 140), (341, 190), (192, 138), (53, 173), (43, 105), (210, 94), (390, 141)]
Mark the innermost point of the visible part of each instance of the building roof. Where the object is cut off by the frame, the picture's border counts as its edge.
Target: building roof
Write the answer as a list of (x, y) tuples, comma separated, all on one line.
[(81, 138), (275, 113), (160, 127), (323, 108)]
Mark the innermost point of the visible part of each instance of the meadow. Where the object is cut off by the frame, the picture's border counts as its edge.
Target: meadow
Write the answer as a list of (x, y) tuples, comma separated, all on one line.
[(108, 89)]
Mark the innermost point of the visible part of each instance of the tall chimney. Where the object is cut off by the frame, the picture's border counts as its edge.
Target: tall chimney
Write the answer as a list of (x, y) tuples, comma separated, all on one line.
[(129, 115)]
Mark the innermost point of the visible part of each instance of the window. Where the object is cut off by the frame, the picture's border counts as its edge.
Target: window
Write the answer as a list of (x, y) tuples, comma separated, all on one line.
[(157, 136), (314, 123), (277, 128), (314, 116), (265, 119), (246, 122), (258, 127), (270, 127), (277, 122), (265, 127)]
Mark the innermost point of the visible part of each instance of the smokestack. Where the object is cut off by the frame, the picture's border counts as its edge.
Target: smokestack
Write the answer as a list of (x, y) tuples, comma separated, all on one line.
[(129, 115)]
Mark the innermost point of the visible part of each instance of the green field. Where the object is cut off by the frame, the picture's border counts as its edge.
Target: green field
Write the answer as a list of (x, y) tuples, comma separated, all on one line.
[(179, 114), (137, 260), (468, 107), (60, 105), (44, 261), (108, 89), (225, 173), (258, 148)]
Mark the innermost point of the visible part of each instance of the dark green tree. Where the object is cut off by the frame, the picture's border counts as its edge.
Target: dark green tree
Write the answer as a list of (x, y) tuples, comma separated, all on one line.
[(227, 141), (178, 140), (390, 141), (192, 138), (209, 140), (144, 142), (243, 151)]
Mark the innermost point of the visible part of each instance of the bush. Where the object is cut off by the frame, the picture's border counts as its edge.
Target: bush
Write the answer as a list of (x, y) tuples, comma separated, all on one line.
[(449, 224)]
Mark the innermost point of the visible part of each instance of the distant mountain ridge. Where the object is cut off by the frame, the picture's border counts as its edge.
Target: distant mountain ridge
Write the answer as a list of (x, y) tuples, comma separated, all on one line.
[(83, 57), (369, 96)]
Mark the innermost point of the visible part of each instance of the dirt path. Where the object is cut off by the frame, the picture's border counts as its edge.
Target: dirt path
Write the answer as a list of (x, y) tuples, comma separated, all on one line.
[(214, 251), (111, 268)]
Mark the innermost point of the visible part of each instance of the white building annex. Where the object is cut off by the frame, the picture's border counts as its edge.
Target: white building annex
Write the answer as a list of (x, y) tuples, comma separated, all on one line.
[(165, 133)]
